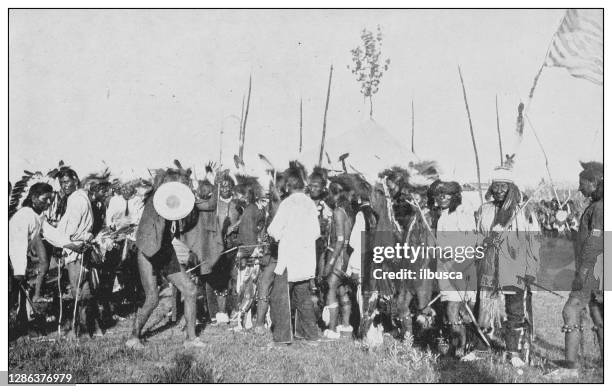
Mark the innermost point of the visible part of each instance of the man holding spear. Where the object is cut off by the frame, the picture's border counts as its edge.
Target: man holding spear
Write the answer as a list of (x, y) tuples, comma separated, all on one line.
[(511, 250)]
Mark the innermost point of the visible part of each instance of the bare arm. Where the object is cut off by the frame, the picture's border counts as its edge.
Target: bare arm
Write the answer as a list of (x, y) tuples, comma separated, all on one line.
[(339, 222)]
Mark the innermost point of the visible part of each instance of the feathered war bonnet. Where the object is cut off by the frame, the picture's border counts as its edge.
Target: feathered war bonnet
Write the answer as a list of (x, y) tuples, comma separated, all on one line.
[(21, 189)]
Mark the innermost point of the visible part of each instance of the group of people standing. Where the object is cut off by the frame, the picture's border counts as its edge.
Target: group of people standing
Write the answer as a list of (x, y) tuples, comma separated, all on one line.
[(294, 256)]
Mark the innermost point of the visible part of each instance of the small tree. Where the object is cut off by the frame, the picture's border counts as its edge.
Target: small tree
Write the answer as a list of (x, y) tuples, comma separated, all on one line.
[(367, 64)]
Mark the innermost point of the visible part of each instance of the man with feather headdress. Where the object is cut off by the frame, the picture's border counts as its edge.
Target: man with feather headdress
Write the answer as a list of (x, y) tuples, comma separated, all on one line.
[(24, 234), (17, 196)]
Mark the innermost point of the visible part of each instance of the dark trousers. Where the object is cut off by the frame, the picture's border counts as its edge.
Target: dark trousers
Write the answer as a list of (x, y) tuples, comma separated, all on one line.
[(286, 297), (519, 315)]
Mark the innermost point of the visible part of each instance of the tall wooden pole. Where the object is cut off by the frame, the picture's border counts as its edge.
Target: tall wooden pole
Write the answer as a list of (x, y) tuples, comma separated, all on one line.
[(300, 148), (412, 104), (240, 142), (467, 108), (331, 70), (501, 154), (221, 145), (244, 121)]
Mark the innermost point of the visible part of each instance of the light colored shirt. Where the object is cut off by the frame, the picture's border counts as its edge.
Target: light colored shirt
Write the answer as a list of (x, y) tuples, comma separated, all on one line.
[(296, 227), (115, 212), (75, 225), (24, 227)]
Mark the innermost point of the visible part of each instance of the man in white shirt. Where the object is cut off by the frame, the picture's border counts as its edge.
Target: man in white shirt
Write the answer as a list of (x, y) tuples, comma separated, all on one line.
[(74, 226), (124, 208), (24, 236), (296, 227)]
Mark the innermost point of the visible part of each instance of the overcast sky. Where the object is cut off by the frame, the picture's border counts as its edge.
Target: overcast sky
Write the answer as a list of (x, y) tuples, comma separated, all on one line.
[(138, 88)]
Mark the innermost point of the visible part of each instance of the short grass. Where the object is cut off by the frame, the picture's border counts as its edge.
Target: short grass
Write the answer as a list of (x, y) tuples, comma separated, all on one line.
[(238, 357), (244, 357)]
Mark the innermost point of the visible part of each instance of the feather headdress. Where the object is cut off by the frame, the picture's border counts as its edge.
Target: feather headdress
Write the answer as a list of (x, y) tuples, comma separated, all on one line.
[(20, 190)]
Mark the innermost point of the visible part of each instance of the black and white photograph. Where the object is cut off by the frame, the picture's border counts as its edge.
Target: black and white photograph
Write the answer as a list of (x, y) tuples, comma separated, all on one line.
[(306, 195)]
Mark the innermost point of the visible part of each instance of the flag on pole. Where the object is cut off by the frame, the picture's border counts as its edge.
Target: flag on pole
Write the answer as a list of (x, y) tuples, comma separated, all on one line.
[(578, 45)]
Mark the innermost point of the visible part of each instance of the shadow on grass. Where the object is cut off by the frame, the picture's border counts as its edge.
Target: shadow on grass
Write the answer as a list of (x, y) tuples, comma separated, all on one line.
[(456, 372), (185, 370)]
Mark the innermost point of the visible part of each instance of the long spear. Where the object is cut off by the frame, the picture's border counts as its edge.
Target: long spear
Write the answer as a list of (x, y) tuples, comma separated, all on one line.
[(412, 104), (300, 148), (501, 154), (331, 70), (246, 115), (467, 108), (240, 140)]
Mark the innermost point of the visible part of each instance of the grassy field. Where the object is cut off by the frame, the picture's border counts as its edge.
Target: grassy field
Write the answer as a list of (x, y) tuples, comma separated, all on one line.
[(245, 357)]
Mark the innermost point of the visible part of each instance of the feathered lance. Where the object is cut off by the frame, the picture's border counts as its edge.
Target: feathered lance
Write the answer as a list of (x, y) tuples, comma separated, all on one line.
[(501, 154), (467, 108), (331, 70)]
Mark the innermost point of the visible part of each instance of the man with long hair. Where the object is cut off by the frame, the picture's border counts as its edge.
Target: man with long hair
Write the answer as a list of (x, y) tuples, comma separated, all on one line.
[(24, 235), (511, 262), (75, 225), (453, 227)]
